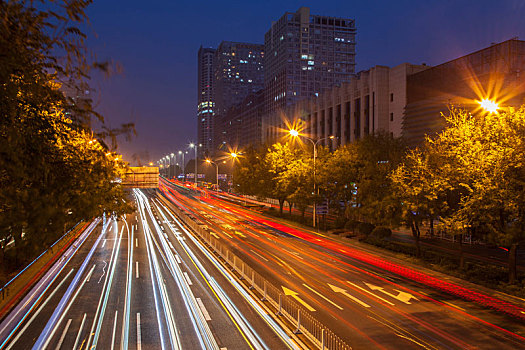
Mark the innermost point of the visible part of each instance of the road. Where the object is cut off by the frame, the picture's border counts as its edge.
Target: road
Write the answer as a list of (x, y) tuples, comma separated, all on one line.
[(366, 305), (137, 283)]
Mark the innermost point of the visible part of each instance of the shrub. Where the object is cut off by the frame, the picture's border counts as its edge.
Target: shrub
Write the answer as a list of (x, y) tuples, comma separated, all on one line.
[(365, 228), (381, 232), (351, 225), (340, 222)]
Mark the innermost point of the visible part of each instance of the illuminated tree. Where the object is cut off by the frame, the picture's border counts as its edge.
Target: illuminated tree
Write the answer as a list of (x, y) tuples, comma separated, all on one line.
[(52, 170), (477, 168)]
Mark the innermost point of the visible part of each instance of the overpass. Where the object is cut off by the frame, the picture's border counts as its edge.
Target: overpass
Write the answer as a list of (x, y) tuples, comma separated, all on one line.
[(141, 177)]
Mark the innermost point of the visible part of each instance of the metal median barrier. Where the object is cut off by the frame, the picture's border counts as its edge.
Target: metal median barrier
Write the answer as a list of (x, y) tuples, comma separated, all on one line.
[(300, 321)]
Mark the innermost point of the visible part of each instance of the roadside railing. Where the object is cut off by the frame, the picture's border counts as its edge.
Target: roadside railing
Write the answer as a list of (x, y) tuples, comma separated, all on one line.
[(300, 321)]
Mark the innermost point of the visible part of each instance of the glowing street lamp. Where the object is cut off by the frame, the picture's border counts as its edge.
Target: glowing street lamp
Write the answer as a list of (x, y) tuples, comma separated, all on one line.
[(489, 105), (192, 145), (209, 161), (295, 133), (183, 166)]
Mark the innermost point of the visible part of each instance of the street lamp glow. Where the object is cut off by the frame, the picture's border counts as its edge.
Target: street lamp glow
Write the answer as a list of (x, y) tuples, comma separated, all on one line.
[(294, 133), (489, 105), (234, 155)]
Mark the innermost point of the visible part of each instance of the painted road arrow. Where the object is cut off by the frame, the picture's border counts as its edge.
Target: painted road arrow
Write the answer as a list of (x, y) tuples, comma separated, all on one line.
[(293, 294), (402, 296), (345, 293)]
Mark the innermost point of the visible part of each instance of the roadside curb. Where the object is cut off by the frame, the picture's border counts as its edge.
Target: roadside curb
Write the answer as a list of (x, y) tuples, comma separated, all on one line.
[(17, 287)]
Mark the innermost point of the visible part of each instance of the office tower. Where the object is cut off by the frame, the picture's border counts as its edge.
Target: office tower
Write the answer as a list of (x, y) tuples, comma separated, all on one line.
[(306, 54), (205, 99), (238, 73)]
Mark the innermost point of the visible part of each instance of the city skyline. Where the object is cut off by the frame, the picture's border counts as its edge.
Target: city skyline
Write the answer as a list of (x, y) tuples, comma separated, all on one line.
[(157, 88)]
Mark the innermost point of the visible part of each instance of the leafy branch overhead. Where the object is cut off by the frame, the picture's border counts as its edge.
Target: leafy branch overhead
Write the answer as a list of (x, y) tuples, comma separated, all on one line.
[(54, 169)]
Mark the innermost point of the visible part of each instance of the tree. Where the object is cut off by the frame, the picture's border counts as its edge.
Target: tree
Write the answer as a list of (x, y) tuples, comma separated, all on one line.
[(474, 171), (418, 189), (53, 168), (360, 171), (279, 161)]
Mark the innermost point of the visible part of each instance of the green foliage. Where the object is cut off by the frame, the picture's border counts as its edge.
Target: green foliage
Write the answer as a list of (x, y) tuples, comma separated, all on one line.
[(365, 228), (351, 224), (53, 171), (381, 232)]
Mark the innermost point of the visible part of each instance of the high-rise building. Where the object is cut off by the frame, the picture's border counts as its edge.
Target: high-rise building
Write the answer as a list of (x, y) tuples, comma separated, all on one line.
[(206, 99), (238, 73), (241, 126), (306, 54)]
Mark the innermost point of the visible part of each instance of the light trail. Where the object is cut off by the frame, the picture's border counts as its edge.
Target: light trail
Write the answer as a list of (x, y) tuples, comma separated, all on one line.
[(37, 312), (153, 266), (13, 321), (127, 297), (102, 303), (200, 325), (323, 258), (244, 326)]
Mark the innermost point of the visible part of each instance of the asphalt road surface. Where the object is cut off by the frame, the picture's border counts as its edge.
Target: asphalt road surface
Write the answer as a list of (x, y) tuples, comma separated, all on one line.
[(368, 307), (136, 283)]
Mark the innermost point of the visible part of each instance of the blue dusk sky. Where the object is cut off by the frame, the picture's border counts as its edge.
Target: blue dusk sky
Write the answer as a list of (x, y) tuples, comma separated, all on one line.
[(156, 42)]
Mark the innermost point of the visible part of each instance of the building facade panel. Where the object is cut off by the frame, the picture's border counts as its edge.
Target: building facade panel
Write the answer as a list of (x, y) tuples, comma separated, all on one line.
[(495, 73)]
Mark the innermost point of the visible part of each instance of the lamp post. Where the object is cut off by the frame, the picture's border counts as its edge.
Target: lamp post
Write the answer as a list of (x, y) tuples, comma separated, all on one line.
[(234, 156), (209, 161), (192, 145), (183, 167), (295, 133)]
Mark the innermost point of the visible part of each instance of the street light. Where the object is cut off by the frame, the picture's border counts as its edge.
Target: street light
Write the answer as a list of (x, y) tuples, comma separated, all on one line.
[(489, 105), (192, 145), (209, 161), (234, 156), (295, 133), (183, 167)]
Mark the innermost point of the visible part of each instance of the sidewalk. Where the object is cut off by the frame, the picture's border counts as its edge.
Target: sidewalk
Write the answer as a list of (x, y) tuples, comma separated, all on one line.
[(474, 251)]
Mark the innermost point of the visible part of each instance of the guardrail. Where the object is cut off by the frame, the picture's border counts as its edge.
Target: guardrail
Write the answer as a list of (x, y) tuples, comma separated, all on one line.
[(299, 319)]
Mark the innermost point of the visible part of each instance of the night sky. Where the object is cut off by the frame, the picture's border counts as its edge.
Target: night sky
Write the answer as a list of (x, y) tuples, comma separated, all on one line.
[(156, 42)]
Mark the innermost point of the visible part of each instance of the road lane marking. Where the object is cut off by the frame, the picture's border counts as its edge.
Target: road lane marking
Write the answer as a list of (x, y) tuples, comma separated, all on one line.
[(137, 269), (136, 242), (322, 296), (90, 273), (139, 336), (203, 309), (294, 295), (239, 233), (372, 294), (104, 243), (114, 331), (349, 296), (293, 253), (187, 278), (214, 234), (178, 259), (262, 257), (79, 331), (63, 335), (401, 296), (453, 305)]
